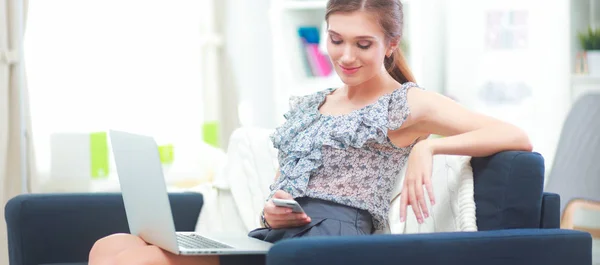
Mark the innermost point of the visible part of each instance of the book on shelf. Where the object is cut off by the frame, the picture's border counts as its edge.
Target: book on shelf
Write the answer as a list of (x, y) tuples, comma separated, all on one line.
[(316, 64)]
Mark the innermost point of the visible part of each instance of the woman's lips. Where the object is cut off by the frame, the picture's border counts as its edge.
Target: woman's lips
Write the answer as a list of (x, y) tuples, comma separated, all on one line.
[(349, 70)]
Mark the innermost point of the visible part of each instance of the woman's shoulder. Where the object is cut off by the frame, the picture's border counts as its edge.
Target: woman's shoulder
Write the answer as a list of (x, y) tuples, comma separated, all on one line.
[(308, 100), (302, 111), (397, 105)]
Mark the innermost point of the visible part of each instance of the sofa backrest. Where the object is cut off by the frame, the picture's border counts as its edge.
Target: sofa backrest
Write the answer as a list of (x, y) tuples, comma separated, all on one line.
[(59, 228)]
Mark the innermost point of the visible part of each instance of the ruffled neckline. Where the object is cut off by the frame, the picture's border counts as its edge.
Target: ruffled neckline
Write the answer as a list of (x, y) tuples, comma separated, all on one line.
[(329, 91)]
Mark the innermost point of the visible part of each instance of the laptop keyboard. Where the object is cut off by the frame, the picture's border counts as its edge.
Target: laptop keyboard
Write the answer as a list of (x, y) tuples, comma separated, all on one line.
[(197, 241)]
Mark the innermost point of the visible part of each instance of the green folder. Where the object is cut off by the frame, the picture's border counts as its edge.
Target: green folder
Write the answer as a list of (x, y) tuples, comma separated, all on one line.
[(210, 133), (99, 164)]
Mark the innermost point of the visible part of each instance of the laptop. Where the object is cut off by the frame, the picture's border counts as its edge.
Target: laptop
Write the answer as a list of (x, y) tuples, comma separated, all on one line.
[(147, 205)]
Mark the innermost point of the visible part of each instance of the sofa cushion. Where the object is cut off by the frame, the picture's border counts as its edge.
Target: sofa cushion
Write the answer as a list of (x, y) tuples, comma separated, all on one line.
[(513, 246), (508, 190)]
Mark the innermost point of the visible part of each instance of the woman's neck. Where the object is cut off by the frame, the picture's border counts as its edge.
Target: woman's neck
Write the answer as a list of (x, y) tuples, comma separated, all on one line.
[(372, 89)]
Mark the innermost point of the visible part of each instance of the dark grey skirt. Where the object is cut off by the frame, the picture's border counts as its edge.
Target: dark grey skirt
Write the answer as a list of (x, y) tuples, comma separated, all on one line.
[(327, 219)]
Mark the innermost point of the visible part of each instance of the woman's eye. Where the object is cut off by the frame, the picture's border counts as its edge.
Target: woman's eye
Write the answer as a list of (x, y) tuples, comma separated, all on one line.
[(335, 40), (364, 44)]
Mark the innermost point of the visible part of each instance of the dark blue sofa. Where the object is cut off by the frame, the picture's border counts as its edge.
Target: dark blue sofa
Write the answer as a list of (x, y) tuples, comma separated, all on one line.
[(518, 223)]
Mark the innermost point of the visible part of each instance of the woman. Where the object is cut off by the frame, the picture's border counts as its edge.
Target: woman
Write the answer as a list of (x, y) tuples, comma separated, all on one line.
[(340, 150)]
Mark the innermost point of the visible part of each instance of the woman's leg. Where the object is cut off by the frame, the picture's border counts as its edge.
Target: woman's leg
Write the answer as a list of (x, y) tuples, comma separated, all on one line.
[(128, 249), (106, 249)]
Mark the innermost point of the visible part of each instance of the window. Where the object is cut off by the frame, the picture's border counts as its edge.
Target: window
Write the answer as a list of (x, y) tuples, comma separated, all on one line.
[(128, 65)]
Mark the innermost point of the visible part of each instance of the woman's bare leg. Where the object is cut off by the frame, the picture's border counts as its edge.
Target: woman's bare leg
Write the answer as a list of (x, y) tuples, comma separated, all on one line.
[(153, 255), (106, 249), (128, 249)]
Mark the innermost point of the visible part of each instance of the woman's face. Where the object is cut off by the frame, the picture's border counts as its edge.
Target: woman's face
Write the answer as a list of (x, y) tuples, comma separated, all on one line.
[(356, 46)]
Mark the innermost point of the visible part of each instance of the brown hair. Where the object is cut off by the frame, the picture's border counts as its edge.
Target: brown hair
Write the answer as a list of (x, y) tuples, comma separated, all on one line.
[(391, 19)]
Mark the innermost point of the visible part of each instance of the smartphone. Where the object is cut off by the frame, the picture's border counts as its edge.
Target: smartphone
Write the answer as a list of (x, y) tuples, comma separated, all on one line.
[(289, 204)]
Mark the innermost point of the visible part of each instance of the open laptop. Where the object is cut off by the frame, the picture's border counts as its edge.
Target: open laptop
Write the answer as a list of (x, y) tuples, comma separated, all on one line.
[(147, 203)]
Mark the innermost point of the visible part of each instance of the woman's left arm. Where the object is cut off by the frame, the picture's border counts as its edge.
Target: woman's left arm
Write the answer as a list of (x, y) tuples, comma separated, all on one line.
[(466, 133)]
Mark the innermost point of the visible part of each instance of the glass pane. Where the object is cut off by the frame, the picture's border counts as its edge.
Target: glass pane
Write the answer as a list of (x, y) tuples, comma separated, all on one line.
[(128, 65)]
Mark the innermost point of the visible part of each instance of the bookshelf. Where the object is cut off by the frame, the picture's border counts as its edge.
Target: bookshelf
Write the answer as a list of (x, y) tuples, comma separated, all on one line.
[(292, 69)]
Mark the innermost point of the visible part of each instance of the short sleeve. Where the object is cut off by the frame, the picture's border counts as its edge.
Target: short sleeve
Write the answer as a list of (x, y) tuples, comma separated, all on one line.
[(398, 108), (301, 110), (295, 104)]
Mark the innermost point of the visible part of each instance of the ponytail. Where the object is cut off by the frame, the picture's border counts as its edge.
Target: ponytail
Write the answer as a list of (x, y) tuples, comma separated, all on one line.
[(398, 68)]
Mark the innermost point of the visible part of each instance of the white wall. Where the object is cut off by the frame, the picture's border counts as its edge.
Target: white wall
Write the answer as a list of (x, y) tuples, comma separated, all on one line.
[(425, 32), (544, 66), (247, 56)]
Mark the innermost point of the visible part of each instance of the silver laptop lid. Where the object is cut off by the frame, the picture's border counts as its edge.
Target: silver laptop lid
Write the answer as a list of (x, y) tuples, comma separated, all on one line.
[(144, 190)]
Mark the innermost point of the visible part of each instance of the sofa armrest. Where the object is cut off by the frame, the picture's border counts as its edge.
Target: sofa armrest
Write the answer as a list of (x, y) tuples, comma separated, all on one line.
[(55, 228), (550, 211), (512, 246), (508, 190)]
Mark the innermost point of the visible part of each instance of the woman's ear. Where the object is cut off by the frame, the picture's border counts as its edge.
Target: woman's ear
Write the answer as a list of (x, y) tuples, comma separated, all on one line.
[(392, 47)]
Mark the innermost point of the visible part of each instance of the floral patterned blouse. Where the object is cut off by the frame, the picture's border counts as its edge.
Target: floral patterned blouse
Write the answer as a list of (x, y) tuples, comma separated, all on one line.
[(347, 159)]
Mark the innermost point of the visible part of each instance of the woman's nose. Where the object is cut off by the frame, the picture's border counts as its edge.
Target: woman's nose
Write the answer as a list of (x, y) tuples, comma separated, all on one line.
[(348, 55)]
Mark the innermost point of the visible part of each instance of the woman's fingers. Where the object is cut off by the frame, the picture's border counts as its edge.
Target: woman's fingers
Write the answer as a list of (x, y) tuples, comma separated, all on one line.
[(414, 203), (289, 220), (421, 199), (403, 203), (271, 208), (282, 217), (289, 217), (429, 188), (287, 224)]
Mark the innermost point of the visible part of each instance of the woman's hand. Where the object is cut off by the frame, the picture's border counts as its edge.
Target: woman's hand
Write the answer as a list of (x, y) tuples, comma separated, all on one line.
[(282, 217), (418, 173)]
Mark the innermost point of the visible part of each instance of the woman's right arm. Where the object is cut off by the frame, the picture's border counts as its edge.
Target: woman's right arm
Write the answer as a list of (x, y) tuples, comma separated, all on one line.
[(282, 217)]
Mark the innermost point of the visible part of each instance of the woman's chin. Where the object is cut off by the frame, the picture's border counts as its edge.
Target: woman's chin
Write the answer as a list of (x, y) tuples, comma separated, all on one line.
[(351, 80)]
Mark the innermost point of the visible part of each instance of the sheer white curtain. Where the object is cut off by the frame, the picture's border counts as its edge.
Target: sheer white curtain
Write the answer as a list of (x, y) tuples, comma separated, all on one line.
[(13, 101), (132, 65)]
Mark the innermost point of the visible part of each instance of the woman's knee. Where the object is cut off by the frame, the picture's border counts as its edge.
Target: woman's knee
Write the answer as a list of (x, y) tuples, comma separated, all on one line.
[(153, 255), (110, 246), (146, 255)]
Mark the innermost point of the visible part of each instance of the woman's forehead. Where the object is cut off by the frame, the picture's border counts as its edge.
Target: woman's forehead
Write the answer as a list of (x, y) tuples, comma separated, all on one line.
[(355, 25)]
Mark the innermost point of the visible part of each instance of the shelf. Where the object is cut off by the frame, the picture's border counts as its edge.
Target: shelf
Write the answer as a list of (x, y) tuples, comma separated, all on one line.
[(585, 79), (583, 84), (303, 5)]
